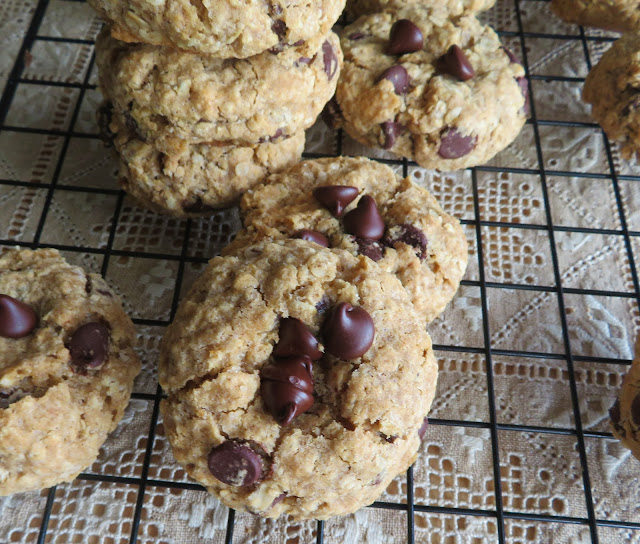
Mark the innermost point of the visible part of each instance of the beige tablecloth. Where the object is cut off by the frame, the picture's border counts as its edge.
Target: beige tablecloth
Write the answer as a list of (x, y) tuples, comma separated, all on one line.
[(540, 472)]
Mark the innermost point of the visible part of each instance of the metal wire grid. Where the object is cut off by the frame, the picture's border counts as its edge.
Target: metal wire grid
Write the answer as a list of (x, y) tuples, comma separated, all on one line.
[(499, 514)]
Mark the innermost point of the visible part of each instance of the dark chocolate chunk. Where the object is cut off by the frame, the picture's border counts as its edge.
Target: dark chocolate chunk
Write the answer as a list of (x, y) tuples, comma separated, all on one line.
[(390, 129), (370, 249), (423, 428), (17, 319), (348, 331), (330, 60), (235, 463), (335, 197), (279, 28), (405, 37), (89, 345), (455, 63), (286, 387), (365, 220), (410, 235), (635, 410), (296, 339), (273, 138), (454, 145), (398, 76), (312, 236)]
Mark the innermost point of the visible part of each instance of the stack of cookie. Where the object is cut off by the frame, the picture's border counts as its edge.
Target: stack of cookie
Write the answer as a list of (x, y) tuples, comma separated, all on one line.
[(298, 370), (429, 82), (212, 96)]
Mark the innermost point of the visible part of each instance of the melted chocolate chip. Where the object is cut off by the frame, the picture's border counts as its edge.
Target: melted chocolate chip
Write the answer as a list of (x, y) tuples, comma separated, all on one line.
[(454, 145), (405, 37), (277, 500), (370, 249), (286, 387), (17, 319), (330, 60), (335, 197), (390, 129), (455, 63), (273, 138), (635, 410), (348, 331), (279, 28), (235, 463), (89, 345), (365, 220), (296, 339), (303, 60), (423, 428), (312, 236), (398, 76), (410, 235)]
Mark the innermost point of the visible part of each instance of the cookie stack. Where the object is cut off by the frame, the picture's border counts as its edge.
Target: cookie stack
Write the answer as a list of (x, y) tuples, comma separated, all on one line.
[(298, 370), (212, 96)]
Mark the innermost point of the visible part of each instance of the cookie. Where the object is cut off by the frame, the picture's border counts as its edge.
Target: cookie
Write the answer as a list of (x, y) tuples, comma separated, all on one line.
[(175, 98), (625, 412), (298, 379), (415, 239), (356, 8), (201, 179), (438, 89), (220, 27), (612, 87), (66, 368), (616, 15)]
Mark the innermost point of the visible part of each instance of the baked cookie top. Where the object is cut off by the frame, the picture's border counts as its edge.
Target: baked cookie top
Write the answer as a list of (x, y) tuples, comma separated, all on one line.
[(204, 177), (612, 87), (220, 27), (174, 98), (617, 15), (298, 379), (356, 8), (390, 220), (66, 368), (426, 85)]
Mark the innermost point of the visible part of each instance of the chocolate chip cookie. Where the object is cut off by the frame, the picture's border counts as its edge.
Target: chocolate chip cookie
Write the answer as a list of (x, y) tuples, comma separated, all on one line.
[(197, 181), (612, 88), (221, 27), (66, 368), (298, 379), (435, 88), (356, 8), (625, 413), (175, 98), (617, 15), (362, 206)]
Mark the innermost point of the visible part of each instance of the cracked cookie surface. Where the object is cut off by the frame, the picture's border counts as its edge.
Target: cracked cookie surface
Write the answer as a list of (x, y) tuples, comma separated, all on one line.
[(362, 428), (65, 381), (175, 98), (221, 27), (201, 179), (421, 244), (435, 88), (612, 87), (617, 15)]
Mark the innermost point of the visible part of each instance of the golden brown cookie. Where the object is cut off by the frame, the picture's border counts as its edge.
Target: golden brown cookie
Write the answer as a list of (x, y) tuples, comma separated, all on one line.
[(618, 15)]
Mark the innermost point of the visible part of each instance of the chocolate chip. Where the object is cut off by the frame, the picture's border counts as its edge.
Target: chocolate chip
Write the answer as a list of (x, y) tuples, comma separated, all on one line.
[(410, 235), (405, 37), (331, 114), (312, 236), (88, 285), (9, 396), (89, 345), (455, 63), (303, 60), (423, 428), (365, 220), (279, 28), (273, 138), (454, 145), (296, 339), (235, 463), (17, 319), (335, 197), (512, 58), (131, 123), (348, 331), (635, 410), (391, 439), (390, 129), (197, 206), (323, 305), (330, 60), (286, 387), (356, 36), (370, 249), (297, 43), (277, 500), (398, 76), (524, 89)]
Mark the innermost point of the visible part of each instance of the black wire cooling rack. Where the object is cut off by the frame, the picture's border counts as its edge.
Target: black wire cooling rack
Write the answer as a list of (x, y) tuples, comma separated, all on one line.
[(182, 255)]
